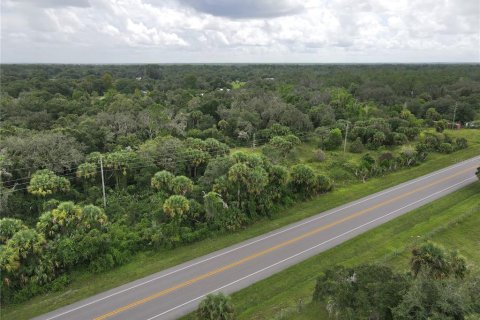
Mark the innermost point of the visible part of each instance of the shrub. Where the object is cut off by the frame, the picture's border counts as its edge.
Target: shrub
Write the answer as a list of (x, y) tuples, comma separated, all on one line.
[(377, 140), (432, 141), (357, 146), (445, 148), (399, 138), (437, 262), (461, 143), (324, 183), (361, 292), (387, 161), (102, 263), (408, 156), (334, 139), (319, 155), (303, 180), (216, 307), (59, 283), (8, 227), (422, 147), (441, 125)]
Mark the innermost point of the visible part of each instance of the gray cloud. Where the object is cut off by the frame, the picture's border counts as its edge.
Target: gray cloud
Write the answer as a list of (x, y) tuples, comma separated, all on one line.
[(55, 3), (246, 8)]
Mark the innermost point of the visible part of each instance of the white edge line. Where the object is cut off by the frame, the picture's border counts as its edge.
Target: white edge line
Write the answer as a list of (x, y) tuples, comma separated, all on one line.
[(368, 198), (309, 249)]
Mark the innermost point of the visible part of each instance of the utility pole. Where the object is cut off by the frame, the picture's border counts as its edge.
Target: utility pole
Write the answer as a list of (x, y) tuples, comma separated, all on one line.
[(345, 143), (103, 183), (254, 144), (454, 111)]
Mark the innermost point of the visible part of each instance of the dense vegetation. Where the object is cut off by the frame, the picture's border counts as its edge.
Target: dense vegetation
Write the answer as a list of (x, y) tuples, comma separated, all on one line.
[(160, 138), (438, 286)]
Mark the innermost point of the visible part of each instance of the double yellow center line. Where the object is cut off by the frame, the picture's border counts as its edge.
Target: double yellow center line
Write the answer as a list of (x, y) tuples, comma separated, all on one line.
[(273, 248)]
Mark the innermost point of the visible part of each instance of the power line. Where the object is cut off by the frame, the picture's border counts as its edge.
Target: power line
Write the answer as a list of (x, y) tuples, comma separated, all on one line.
[(246, 144), (72, 175), (165, 154)]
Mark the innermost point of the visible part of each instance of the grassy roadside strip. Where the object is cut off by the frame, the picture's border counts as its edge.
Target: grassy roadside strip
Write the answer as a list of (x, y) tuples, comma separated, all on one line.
[(84, 284), (452, 221)]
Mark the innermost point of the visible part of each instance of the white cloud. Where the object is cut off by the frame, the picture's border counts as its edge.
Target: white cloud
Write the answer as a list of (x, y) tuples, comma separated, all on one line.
[(222, 31)]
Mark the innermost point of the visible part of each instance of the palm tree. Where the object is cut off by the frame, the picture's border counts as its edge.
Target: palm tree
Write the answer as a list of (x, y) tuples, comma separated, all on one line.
[(162, 181), (436, 262), (238, 174), (181, 185), (216, 307), (44, 183), (176, 207)]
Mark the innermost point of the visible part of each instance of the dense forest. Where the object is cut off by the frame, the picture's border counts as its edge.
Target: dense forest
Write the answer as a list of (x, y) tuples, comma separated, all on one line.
[(439, 285), (184, 151)]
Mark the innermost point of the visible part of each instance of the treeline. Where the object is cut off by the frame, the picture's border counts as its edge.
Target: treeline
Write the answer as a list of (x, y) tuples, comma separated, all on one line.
[(244, 187), (439, 285), (160, 139)]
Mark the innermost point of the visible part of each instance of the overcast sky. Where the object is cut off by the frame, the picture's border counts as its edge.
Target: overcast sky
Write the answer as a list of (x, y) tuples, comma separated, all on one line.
[(197, 31)]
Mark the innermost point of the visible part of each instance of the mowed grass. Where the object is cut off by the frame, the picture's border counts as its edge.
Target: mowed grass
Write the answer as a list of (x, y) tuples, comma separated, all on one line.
[(84, 284), (452, 221)]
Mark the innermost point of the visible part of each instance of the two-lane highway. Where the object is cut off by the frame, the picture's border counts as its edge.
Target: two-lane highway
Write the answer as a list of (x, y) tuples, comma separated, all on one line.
[(176, 291)]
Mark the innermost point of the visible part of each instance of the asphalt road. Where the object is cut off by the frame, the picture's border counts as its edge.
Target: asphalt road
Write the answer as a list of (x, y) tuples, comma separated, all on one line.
[(177, 291)]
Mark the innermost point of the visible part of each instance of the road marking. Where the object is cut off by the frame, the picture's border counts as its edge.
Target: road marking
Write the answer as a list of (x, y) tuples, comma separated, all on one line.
[(368, 198), (309, 249), (274, 248)]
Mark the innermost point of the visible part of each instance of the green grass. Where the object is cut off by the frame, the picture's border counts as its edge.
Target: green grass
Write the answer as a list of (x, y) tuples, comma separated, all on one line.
[(84, 284), (452, 221)]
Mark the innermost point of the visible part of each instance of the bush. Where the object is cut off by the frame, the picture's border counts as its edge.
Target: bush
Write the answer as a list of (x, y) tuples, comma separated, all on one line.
[(387, 161), (441, 125), (334, 139), (432, 141), (365, 291), (408, 156), (378, 139), (445, 148), (461, 143), (324, 183), (357, 146), (102, 263), (25, 293), (319, 155), (303, 180), (422, 147), (8, 227), (216, 307), (59, 283), (399, 138)]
